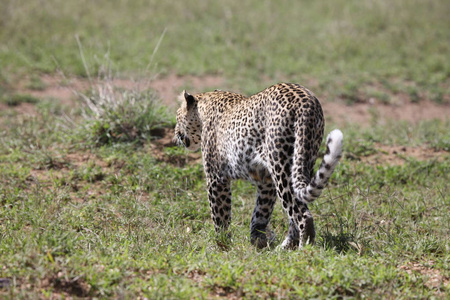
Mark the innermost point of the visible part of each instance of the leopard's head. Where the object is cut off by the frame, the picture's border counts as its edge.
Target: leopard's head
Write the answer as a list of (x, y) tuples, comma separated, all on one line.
[(189, 127)]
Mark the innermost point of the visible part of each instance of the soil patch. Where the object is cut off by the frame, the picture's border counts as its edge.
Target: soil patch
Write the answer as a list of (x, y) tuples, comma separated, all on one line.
[(73, 170), (218, 291), (56, 87), (165, 140), (197, 276), (363, 113), (433, 278), (171, 86), (66, 90), (398, 155)]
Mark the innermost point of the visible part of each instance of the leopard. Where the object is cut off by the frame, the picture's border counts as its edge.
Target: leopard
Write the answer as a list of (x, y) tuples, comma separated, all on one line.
[(271, 139)]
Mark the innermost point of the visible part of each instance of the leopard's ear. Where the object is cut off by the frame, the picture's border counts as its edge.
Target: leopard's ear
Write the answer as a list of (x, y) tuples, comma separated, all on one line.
[(190, 100)]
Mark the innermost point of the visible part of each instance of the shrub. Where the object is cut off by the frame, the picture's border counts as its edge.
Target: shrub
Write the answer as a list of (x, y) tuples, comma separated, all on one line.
[(117, 115)]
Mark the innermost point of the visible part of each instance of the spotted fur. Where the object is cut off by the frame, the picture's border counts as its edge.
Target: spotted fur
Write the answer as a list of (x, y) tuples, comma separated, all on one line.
[(270, 138)]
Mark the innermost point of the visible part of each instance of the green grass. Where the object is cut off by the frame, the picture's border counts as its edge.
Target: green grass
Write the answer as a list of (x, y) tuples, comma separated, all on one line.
[(86, 213), (17, 99), (112, 221), (340, 43)]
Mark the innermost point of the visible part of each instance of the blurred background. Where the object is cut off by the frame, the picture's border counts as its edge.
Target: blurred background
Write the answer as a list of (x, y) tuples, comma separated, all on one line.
[(353, 50)]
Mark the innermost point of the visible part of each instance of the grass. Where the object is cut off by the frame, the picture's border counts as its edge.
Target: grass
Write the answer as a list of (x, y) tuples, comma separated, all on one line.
[(339, 44), (112, 221), (17, 99), (87, 210), (114, 115)]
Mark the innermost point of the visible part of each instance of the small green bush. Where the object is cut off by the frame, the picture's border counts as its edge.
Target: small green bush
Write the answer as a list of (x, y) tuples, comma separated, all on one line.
[(114, 115)]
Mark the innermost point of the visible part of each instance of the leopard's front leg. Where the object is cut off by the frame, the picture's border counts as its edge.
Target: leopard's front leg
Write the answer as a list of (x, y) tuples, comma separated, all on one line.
[(219, 196)]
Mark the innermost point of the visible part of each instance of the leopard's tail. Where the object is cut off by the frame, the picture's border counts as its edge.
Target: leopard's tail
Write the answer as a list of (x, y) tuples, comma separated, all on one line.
[(323, 174)]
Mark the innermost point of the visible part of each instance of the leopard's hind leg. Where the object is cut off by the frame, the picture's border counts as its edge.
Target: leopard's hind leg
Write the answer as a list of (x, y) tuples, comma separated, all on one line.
[(280, 161), (260, 236)]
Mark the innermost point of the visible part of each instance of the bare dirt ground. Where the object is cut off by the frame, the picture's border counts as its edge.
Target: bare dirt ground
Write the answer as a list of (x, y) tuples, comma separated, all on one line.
[(64, 90), (434, 278), (398, 155), (365, 113), (169, 87)]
